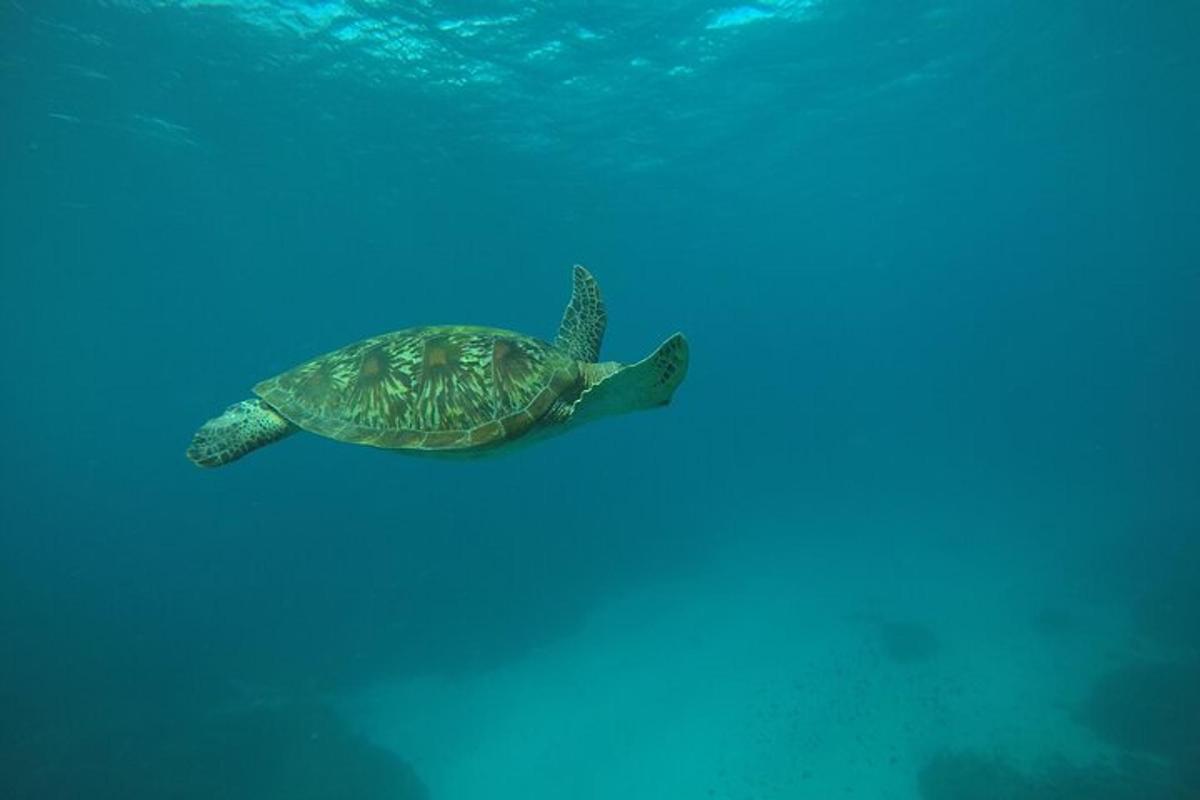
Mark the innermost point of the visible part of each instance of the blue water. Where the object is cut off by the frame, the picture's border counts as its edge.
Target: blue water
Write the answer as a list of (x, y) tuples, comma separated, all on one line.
[(922, 521)]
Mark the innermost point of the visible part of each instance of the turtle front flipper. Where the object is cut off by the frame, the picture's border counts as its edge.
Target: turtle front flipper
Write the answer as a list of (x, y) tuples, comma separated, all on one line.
[(243, 427), (647, 384), (583, 323)]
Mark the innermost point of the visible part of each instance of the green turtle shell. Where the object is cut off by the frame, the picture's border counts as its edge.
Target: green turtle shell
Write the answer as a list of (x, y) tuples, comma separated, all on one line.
[(434, 388)]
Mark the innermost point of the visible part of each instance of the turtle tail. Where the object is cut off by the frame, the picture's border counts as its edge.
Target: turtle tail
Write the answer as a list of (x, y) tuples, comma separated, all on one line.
[(243, 427)]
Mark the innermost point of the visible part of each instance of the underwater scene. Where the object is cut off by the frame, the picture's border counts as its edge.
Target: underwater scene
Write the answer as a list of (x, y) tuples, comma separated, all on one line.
[(563, 400)]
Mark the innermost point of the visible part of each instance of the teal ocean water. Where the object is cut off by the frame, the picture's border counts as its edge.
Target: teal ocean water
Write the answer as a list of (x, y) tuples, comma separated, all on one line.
[(922, 522)]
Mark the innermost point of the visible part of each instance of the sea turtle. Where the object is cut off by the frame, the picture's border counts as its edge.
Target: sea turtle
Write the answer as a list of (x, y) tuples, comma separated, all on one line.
[(450, 389)]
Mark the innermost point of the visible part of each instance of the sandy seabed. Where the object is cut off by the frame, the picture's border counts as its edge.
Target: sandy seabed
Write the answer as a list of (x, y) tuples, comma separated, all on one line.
[(761, 676)]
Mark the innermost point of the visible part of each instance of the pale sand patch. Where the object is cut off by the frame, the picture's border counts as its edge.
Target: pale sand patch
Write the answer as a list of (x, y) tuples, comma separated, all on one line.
[(755, 679)]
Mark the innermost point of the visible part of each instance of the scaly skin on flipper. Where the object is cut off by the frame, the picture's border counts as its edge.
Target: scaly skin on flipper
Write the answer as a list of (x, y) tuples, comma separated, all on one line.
[(617, 388), (582, 328), (243, 427)]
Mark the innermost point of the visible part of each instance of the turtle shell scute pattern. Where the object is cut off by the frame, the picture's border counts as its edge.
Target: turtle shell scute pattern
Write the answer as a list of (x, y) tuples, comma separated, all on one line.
[(437, 388)]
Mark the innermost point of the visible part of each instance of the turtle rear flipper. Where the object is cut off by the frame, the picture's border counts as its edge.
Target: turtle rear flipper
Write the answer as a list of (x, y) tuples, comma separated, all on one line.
[(243, 427), (583, 323), (647, 384)]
